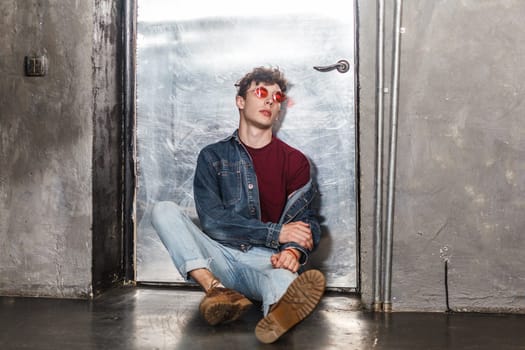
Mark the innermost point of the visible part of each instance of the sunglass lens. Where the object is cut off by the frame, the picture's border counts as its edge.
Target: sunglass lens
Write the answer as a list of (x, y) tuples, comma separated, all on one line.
[(261, 92), (278, 97)]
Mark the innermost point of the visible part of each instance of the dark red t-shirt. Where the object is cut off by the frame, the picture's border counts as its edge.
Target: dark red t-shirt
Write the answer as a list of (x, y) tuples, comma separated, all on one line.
[(280, 170)]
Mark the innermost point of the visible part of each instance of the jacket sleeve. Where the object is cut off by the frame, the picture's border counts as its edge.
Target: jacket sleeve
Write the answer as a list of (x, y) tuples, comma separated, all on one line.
[(220, 221), (308, 213)]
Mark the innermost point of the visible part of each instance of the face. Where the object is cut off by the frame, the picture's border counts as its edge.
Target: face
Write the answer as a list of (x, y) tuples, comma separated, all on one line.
[(260, 108)]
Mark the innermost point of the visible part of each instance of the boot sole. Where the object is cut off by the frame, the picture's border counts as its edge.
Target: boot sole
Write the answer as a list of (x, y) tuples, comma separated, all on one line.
[(226, 312), (300, 299)]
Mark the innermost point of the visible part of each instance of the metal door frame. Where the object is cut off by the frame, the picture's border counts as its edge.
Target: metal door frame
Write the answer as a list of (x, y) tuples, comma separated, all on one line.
[(128, 140)]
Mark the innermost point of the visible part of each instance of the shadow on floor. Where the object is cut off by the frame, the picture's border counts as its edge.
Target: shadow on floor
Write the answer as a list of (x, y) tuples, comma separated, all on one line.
[(167, 318)]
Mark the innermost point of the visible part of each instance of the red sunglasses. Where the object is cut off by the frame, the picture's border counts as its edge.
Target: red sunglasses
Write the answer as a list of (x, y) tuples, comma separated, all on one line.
[(262, 92)]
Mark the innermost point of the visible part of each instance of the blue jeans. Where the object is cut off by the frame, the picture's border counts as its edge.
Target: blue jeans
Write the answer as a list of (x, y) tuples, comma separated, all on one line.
[(250, 273)]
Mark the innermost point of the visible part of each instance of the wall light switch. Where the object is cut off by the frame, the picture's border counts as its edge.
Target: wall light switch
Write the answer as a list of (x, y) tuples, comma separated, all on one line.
[(36, 66)]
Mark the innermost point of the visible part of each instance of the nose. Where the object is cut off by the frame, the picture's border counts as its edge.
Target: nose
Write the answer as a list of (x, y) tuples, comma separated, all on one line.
[(269, 100)]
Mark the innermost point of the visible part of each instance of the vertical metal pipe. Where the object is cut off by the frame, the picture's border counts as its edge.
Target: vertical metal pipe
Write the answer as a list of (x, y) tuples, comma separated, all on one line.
[(128, 136), (378, 303), (387, 283)]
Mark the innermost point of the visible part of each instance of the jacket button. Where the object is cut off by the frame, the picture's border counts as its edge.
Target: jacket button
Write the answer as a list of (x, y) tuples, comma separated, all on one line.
[(250, 186)]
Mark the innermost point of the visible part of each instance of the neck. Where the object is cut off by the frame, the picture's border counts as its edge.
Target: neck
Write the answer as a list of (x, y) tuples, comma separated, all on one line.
[(254, 137)]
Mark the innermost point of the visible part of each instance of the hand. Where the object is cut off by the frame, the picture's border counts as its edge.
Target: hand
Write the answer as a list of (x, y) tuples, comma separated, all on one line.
[(298, 232), (285, 260)]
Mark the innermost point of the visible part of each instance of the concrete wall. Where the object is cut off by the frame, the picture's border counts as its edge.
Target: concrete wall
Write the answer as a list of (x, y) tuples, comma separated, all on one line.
[(460, 189), (57, 146)]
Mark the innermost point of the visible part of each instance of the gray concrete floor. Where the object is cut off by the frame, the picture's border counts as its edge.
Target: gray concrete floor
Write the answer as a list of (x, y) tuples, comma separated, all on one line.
[(167, 318)]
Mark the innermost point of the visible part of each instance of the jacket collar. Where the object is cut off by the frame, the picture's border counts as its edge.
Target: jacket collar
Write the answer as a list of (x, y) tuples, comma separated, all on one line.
[(234, 136)]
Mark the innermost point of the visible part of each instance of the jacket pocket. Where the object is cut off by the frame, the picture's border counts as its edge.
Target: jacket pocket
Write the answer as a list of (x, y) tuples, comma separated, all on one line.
[(229, 178)]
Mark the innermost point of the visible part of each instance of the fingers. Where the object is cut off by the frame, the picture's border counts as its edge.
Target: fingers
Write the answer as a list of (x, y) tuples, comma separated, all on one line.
[(285, 260), (307, 242), (274, 259), (299, 226), (298, 232)]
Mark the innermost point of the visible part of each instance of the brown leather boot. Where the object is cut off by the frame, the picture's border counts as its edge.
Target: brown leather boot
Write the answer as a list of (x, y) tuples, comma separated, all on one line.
[(223, 305), (300, 299)]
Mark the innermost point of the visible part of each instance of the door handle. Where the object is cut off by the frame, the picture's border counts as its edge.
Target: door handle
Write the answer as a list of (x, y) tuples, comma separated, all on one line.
[(342, 66)]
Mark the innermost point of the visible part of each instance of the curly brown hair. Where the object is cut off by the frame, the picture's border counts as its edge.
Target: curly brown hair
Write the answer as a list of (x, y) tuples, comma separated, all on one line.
[(261, 75)]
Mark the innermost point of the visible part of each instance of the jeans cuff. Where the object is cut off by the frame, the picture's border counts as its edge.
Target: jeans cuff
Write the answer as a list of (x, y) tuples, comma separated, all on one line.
[(195, 264)]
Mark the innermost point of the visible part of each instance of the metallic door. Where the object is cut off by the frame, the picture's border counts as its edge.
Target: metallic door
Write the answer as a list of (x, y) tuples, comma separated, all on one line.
[(190, 54)]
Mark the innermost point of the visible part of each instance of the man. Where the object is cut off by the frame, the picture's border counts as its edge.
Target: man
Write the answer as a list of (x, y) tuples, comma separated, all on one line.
[(253, 195)]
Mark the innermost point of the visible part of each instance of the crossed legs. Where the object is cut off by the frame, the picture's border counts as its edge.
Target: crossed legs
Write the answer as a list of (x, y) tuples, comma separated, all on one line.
[(228, 276), (196, 256)]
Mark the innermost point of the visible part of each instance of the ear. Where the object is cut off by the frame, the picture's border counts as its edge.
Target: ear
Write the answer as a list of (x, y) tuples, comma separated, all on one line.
[(239, 100)]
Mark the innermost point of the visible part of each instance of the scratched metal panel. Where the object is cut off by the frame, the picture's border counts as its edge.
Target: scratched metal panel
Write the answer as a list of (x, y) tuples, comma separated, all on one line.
[(188, 60)]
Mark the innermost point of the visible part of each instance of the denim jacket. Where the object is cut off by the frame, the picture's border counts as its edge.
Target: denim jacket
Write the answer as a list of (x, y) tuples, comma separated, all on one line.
[(227, 201)]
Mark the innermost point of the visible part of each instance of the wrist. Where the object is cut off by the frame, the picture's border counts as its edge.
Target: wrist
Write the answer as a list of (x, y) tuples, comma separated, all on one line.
[(294, 253)]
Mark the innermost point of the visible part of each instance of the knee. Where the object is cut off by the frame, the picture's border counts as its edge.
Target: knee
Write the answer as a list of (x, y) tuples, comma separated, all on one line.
[(162, 211), (282, 277)]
